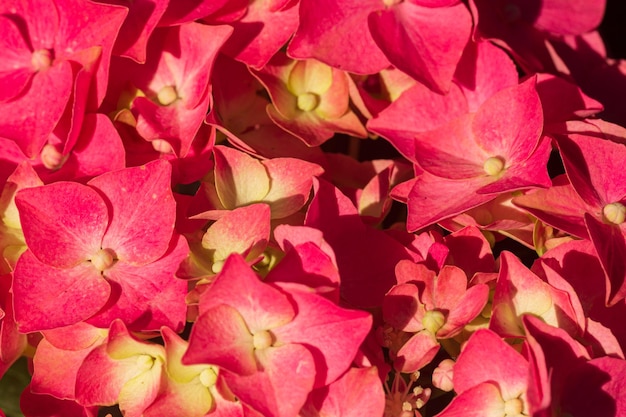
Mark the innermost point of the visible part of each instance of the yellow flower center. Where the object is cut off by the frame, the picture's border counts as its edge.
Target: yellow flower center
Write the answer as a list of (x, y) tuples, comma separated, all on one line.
[(262, 339), (103, 259), (614, 213), (513, 407), (433, 321), (493, 166), (167, 95), (308, 101), (41, 59)]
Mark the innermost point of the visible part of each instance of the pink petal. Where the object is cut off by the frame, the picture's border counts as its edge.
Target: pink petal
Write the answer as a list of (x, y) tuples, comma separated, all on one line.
[(229, 340), (64, 297), (485, 358), (16, 67), (400, 306), (62, 234), (143, 211), (565, 17), (143, 16), (244, 230), (424, 42), (559, 206), (609, 242), (417, 352), (332, 334), (176, 123), (357, 393), (99, 149), (147, 297), (39, 108), (482, 400), (363, 283), (596, 388), (509, 124), (291, 182), (440, 156), (594, 167), (239, 178), (281, 386), (430, 199), (528, 173), (484, 69), (265, 307), (394, 126), (261, 33), (85, 25), (336, 33), (468, 308)]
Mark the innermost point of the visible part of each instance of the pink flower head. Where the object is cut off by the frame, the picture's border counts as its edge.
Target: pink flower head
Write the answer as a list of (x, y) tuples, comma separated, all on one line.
[(503, 150), (490, 378), (107, 250), (239, 179), (310, 99), (49, 70), (274, 345)]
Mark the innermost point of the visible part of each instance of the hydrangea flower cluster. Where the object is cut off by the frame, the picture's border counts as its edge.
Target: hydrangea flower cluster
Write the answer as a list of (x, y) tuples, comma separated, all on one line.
[(312, 208)]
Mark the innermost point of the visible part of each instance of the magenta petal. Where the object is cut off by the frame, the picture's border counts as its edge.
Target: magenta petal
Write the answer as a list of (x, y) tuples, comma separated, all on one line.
[(482, 400), (336, 33), (99, 149), (147, 297), (143, 211), (143, 16), (417, 352), (333, 334), (436, 151), (356, 394), (509, 124), (174, 123), (261, 33), (433, 199), (528, 173), (63, 297), (596, 388), (16, 68), (594, 167), (63, 222), (610, 244), (499, 362), (559, 206), (282, 385), (39, 108), (468, 307), (221, 337), (399, 130), (264, 308), (424, 42)]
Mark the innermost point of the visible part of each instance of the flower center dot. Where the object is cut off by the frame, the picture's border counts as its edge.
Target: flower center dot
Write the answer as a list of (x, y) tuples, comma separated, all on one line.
[(167, 95), (103, 259), (308, 101), (513, 407), (41, 59), (433, 321), (614, 213), (262, 339), (493, 166)]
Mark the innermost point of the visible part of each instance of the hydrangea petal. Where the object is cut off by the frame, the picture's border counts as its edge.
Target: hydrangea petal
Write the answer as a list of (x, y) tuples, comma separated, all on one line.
[(143, 211), (62, 234)]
